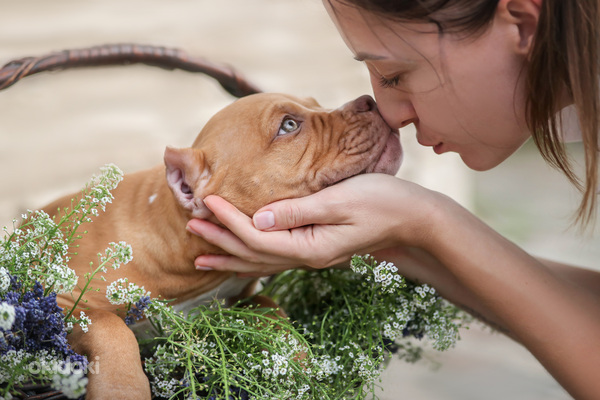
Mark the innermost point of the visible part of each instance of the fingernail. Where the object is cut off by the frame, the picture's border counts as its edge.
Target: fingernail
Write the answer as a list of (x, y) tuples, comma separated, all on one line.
[(264, 220), (191, 227), (203, 268)]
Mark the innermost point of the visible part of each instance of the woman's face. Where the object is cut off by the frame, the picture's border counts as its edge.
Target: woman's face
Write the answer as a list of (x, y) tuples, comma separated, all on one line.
[(462, 95)]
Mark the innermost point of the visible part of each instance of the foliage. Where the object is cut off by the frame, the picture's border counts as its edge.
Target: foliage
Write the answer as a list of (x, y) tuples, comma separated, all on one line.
[(341, 326), (33, 270)]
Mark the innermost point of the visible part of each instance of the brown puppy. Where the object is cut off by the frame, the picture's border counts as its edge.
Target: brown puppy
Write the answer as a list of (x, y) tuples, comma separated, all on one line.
[(260, 149)]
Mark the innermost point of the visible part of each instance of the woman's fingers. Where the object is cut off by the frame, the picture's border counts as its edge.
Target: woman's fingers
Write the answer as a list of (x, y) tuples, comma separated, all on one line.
[(281, 244), (243, 268), (284, 214), (294, 213), (214, 234), (238, 223), (240, 238)]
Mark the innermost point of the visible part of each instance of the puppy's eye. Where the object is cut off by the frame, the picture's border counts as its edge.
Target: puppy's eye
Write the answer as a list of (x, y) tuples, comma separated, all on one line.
[(288, 126)]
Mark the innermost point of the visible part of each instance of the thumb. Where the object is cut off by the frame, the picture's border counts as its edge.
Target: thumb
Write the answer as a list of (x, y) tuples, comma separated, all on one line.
[(291, 213)]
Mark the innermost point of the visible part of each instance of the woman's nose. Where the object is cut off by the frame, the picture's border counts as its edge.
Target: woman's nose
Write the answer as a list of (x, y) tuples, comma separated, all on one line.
[(396, 108)]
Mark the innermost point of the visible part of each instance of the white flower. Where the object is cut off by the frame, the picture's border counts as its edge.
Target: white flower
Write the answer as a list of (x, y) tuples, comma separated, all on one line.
[(61, 278), (4, 280), (122, 291), (119, 253), (7, 316), (72, 385), (84, 321)]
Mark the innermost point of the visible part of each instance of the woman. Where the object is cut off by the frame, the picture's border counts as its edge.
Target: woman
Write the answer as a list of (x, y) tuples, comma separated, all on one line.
[(477, 77)]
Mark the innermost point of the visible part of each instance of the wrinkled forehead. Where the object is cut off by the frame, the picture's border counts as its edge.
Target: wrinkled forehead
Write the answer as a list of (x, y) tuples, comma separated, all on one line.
[(259, 112), (266, 101), (263, 106)]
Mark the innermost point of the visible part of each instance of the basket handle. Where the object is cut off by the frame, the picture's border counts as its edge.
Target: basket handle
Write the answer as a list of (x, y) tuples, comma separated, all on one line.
[(125, 54)]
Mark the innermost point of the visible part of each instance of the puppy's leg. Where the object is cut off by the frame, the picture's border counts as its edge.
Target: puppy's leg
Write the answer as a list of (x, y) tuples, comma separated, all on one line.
[(255, 300), (261, 301), (118, 372)]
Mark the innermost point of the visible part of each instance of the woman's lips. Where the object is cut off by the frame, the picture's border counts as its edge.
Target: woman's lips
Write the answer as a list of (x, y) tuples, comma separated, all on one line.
[(439, 148)]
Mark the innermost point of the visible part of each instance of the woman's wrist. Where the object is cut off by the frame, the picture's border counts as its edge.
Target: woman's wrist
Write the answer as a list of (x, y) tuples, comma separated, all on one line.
[(426, 221)]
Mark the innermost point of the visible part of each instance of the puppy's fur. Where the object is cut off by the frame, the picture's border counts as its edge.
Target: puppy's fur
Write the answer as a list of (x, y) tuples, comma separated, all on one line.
[(260, 149)]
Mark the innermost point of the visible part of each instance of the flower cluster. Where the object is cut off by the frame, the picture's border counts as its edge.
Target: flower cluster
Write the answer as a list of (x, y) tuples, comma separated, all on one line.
[(32, 330), (231, 353), (345, 322), (136, 298), (84, 321), (7, 316), (122, 291), (66, 374), (36, 252), (98, 193), (37, 249), (33, 270), (115, 255), (354, 318)]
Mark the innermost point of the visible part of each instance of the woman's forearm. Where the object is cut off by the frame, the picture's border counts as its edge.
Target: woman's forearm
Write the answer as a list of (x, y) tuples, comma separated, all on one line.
[(537, 306), (419, 266)]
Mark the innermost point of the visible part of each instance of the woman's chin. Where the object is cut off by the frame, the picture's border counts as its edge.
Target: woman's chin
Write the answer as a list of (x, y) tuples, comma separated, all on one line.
[(481, 164)]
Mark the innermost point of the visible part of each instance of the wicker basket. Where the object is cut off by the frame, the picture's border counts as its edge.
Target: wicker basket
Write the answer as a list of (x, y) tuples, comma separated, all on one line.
[(37, 391)]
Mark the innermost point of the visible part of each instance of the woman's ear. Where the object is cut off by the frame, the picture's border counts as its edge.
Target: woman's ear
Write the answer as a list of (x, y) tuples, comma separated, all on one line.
[(524, 14)]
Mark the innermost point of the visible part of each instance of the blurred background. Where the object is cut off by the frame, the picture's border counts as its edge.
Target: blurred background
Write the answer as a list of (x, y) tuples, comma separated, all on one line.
[(57, 129)]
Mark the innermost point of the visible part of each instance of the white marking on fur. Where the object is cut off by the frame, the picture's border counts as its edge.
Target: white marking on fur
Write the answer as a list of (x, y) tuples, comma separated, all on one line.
[(205, 175), (152, 198)]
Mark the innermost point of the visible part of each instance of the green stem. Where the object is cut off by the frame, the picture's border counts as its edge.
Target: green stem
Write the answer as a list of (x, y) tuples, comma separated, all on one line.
[(87, 284), (222, 351)]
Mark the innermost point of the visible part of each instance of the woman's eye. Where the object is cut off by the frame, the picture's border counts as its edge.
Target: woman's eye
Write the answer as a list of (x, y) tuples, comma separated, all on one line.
[(389, 82), (287, 126)]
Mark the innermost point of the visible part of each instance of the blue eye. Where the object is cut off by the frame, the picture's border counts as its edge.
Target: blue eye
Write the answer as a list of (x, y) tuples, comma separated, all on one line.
[(288, 126)]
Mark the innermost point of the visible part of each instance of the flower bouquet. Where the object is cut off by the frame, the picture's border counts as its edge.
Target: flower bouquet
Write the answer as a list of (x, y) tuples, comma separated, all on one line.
[(34, 353), (341, 327)]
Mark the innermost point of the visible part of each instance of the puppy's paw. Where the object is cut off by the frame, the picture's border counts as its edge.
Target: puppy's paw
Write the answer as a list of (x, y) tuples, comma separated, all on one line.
[(112, 346)]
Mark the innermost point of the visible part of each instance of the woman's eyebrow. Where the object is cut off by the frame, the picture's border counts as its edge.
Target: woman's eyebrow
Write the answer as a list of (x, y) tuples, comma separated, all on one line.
[(366, 56)]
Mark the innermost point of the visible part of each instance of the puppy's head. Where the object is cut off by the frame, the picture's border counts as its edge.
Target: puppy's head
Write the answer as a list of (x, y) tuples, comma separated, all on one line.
[(268, 147)]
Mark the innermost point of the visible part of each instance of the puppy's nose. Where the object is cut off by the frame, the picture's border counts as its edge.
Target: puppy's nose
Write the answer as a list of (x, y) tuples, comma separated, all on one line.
[(364, 103)]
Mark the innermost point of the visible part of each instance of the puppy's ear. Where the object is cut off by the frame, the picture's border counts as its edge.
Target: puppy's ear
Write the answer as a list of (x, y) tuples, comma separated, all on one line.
[(187, 176)]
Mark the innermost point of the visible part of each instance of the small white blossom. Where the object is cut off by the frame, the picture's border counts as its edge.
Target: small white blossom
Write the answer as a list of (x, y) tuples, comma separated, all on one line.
[(72, 385), (7, 316), (116, 254), (122, 291), (4, 280), (84, 321)]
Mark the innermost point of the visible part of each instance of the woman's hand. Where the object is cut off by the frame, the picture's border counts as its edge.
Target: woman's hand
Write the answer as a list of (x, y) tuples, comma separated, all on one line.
[(361, 214)]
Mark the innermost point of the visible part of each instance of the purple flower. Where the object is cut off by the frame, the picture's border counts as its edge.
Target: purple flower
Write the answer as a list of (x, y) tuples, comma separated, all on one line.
[(136, 312), (38, 325)]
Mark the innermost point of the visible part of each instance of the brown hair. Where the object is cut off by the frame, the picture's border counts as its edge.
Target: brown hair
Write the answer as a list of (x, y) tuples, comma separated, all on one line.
[(564, 56)]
